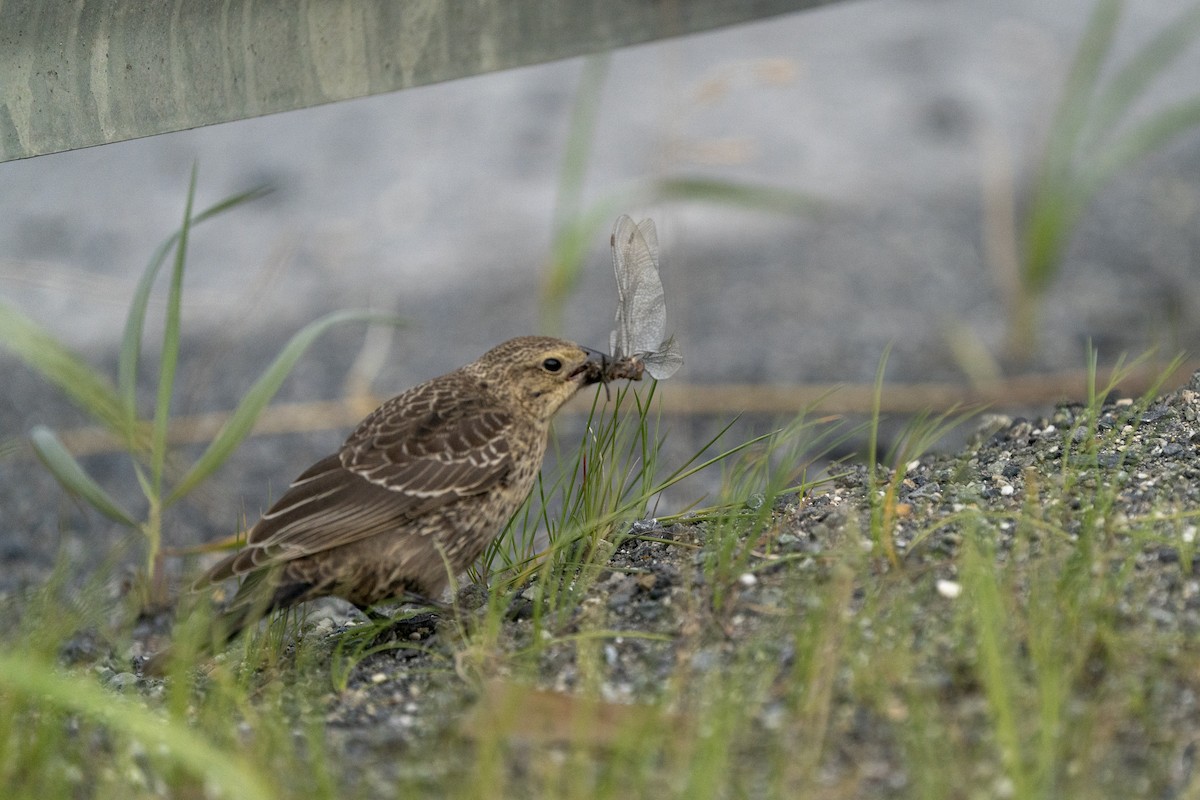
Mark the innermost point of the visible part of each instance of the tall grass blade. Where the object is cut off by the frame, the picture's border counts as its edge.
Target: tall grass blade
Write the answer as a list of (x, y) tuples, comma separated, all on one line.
[(1130, 82), (71, 475), (87, 388), (170, 349), (571, 238), (1080, 88), (1055, 206), (131, 339), (40, 684), (135, 321), (1053, 214), (1145, 138), (997, 668), (240, 423), (579, 139)]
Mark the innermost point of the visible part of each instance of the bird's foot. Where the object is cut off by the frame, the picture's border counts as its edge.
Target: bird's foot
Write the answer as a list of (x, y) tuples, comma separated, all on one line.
[(414, 628)]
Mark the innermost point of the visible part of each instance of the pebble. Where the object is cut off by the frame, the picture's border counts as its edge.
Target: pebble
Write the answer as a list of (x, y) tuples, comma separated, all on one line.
[(122, 681), (949, 589)]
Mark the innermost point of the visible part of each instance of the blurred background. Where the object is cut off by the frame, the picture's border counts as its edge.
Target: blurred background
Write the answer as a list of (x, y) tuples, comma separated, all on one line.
[(825, 184)]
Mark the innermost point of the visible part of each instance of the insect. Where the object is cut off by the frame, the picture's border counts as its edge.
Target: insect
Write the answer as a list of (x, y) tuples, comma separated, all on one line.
[(640, 340)]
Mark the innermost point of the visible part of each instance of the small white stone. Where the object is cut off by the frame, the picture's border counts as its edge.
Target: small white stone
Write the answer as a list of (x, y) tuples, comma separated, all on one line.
[(378, 678), (1006, 490), (910, 466), (1189, 534), (748, 579), (949, 589)]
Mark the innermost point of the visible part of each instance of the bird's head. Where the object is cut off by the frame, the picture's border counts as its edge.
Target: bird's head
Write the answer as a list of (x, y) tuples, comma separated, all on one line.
[(538, 373)]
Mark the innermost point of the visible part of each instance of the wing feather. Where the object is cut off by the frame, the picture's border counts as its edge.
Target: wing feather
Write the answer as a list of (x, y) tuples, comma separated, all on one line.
[(425, 448)]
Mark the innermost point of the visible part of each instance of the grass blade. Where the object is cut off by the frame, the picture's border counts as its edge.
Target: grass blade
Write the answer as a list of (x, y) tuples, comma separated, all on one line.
[(135, 321), (997, 668), (1080, 87), (1056, 203), (170, 348), (579, 137), (1055, 209), (88, 389), (1144, 139), (40, 684), (239, 424), (71, 475), (131, 339), (571, 238), (1130, 83)]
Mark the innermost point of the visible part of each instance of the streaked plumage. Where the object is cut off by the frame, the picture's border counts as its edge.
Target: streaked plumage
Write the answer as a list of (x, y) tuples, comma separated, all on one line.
[(417, 491)]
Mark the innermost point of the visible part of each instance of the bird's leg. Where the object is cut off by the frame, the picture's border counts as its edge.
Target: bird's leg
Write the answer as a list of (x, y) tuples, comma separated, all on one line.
[(408, 598), (413, 598), (412, 627)]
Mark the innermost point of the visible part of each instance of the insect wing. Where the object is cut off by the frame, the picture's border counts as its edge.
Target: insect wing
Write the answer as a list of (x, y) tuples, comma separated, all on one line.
[(664, 361), (641, 318), (622, 238)]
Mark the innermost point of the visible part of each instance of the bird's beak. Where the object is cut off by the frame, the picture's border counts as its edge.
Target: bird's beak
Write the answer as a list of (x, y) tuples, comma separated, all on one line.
[(592, 370)]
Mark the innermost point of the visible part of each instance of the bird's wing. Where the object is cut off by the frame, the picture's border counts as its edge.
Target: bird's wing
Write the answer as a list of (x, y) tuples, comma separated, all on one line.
[(422, 449)]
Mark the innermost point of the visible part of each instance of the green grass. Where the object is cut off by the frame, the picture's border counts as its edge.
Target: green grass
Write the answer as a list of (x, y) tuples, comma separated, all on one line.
[(798, 635), (114, 405), (1088, 145), (836, 670)]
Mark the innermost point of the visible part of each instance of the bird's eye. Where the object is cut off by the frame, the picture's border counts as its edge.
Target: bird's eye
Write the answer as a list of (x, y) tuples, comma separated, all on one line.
[(552, 365)]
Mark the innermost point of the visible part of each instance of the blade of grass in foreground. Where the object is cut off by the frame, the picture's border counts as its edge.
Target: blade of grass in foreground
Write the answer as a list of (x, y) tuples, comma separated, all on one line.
[(231, 774), (990, 618), (242, 420)]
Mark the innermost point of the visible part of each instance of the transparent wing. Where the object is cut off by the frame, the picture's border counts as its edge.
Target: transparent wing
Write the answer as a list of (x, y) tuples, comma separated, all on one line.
[(664, 361), (623, 232), (641, 318)]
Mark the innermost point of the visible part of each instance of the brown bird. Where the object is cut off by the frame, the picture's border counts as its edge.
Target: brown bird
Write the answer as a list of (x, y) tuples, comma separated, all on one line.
[(417, 492)]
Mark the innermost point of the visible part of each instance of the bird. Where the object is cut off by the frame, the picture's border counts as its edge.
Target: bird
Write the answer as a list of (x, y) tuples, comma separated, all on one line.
[(415, 494)]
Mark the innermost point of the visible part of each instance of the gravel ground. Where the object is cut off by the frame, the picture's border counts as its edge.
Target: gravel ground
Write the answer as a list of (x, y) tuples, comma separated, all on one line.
[(398, 703)]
